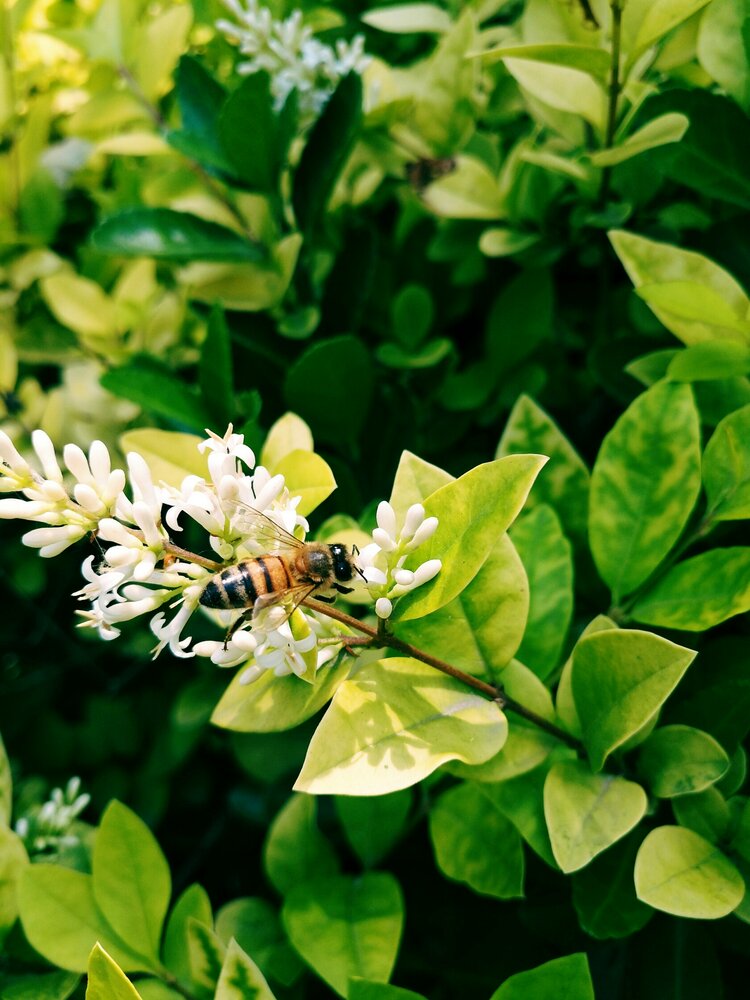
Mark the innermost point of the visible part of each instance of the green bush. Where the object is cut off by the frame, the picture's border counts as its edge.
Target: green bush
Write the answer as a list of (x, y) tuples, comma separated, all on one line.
[(486, 260)]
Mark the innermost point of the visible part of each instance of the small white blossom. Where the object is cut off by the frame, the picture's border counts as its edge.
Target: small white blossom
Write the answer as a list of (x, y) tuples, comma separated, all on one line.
[(382, 561), (292, 57), (48, 827)]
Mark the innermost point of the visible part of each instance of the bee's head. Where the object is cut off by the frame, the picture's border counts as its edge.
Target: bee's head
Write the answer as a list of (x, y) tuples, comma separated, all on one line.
[(343, 564)]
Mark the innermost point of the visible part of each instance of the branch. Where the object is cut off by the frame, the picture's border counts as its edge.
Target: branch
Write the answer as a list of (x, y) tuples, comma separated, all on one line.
[(615, 89), (379, 637)]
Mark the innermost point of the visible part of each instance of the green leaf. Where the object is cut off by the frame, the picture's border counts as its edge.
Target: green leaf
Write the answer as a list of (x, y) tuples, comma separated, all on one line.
[(414, 481), (256, 926), (131, 879), (713, 359), (345, 927), (409, 718), (199, 96), (586, 58), (712, 155), (289, 433), (413, 313), (318, 390), (272, 704), (248, 133), (13, 861), (469, 191), (564, 481), (473, 512), (362, 989), (621, 678), (6, 786), (193, 904), (520, 318), (326, 151), (678, 760), (215, 372), (649, 263), (678, 872), (373, 824), (107, 981), (474, 842), (726, 468), (699, 593), (308, 476), (405, 18), (722, 47), (706, 813), (522, 801), (586, 813), (604, 894), (564, 703), (164, 234), (547, 558), (206, 955), (295, 849), (155, 989), (693, 302), (170, 456), (660, 131), (645, 482), (562, 88), (44, 986), (567, 977), (157, 391), (499, 241), (61, 920), (657, 20), (480, 630), (525, 749), (240, 978)]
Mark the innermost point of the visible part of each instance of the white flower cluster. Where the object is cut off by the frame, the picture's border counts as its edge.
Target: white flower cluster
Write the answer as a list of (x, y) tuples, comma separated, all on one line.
[(141, 570), (292, 57), (382, 561), (47, 828)]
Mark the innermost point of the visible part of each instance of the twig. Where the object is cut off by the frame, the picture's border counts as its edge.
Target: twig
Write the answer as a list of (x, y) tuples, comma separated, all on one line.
[(379, 637), (615, 89)]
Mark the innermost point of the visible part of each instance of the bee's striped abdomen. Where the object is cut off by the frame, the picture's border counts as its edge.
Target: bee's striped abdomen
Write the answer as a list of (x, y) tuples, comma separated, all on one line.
[(239, 586)]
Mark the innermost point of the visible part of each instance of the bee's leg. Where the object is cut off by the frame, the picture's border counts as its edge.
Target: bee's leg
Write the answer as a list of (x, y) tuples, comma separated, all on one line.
[(343, 590), (325, 600), (237, 624)]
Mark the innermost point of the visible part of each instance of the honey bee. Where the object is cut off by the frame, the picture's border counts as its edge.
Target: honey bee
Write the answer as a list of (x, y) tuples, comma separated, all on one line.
[(287, 576)]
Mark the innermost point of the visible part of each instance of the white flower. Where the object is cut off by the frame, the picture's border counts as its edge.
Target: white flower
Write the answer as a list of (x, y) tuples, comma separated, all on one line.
[(294, 60), (382, 562)]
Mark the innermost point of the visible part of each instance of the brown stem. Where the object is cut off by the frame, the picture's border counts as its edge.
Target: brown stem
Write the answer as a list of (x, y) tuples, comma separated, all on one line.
[(615, 89), (380, 637)]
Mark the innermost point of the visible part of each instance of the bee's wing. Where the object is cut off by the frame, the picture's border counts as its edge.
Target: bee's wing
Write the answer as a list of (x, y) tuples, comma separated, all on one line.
[(259, 528), (288, 599)]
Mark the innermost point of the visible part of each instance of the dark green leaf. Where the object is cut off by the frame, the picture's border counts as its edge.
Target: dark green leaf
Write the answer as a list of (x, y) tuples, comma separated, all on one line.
[(158, 392), (168, 235), (215, 370), (373, 824), (199, 96), (248, 127), (520, 318), (332, 378), (712, 156), (326, 151), (604, 894), (475, 843)]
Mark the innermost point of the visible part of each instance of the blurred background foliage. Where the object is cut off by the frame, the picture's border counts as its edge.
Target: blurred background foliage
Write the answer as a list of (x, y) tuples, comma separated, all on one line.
[(442, 240)]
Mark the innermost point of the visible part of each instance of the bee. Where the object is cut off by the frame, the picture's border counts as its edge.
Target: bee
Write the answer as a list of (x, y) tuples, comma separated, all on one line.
[(287, 576)]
